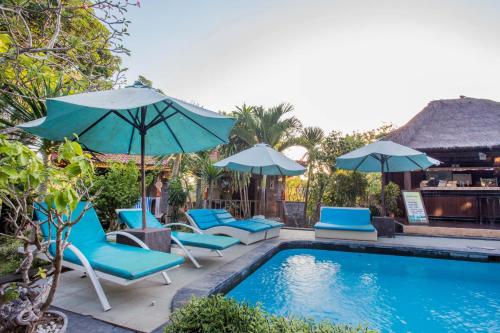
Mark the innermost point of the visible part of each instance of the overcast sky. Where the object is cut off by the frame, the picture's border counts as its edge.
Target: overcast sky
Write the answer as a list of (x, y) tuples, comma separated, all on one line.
[(344, 65)]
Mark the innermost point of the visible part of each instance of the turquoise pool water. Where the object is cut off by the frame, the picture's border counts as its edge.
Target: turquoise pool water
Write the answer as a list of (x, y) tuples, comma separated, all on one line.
[(387, 292)]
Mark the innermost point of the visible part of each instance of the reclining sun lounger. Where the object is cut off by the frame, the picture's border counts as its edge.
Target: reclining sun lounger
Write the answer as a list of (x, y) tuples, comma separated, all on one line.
[(220, 221), (345, 223), (133, 219), (90, 252)]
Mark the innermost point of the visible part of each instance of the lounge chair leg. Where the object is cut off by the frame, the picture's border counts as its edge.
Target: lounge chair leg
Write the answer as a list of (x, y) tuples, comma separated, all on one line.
[(100, 293), (93, 277), (166, 278), (186, 251), (219, 253)]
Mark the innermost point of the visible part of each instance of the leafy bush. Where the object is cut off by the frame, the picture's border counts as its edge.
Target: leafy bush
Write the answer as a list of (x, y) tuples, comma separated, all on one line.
[(391, 197), (346, 189), (217, 314), (10, 258), (177, 197), (120, 188)]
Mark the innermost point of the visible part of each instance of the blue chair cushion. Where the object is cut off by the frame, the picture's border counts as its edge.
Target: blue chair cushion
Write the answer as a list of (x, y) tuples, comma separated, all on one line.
[(223, 215), (271, 223), (128, 262), (87, 230), (203, 218), (345, 216), (133, 219), (212, 242), (331, 226), (250, 226)]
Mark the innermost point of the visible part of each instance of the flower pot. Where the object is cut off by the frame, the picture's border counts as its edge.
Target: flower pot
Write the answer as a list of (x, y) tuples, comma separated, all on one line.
[(52, 322)]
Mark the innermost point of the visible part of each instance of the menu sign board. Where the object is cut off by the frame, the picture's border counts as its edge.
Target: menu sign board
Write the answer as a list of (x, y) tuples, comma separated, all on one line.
[(414, 205)]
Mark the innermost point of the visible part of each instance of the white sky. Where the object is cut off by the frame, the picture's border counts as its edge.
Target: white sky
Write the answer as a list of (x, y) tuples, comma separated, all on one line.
[(345, 65)]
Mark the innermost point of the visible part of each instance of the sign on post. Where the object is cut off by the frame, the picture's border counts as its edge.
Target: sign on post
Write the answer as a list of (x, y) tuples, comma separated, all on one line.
[(415, 209)]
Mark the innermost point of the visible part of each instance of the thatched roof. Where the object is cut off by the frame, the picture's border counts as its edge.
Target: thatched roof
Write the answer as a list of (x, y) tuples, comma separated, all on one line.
[(452, 124)]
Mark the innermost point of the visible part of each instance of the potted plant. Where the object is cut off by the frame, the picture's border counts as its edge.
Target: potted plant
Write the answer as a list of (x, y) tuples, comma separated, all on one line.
[(24, 181)]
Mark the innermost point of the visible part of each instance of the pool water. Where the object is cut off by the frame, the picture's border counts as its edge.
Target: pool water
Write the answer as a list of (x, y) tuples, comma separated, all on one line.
[(386, 292)]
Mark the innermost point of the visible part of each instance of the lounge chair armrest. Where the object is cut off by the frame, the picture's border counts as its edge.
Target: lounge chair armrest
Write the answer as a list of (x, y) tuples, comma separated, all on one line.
[(130, 236), (184, 225), (76, 251)]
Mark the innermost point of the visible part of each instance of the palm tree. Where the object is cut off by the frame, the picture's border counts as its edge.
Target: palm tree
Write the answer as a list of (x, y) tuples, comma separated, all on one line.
[(255, 124), (310, 139), (210, 175), (23, 104), (272, 126)]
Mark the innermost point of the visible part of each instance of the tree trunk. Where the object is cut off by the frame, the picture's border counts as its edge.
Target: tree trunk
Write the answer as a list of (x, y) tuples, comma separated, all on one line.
[(177, 166), (26, 264), (306, 196), (210, 186), (57, 264), (199, 197)]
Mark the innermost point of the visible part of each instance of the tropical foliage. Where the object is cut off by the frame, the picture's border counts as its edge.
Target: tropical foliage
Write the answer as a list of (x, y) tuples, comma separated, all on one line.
[(117, 188), (65, 184), (216, 314)]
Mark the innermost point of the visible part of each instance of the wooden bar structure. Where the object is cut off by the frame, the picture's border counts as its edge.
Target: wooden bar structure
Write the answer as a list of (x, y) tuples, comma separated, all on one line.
[(464, 134)]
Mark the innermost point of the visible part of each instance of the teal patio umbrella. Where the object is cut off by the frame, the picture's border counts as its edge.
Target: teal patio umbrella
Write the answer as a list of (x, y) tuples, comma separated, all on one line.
[(263, 160), (385, 156), (136, 120)]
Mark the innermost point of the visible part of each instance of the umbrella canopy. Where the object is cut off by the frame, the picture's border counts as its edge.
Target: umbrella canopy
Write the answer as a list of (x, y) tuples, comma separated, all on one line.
[(385, 156), (111, 121), (134, 120), (261, 159)]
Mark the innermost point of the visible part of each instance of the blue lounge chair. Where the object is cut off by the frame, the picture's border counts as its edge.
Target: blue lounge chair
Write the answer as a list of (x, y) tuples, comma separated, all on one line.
[(345, 223), (133, 219), (89, 251), (220, 221)]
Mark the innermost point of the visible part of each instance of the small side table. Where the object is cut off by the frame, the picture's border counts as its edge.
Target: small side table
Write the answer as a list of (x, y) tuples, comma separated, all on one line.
[(385, 226), (157, 239)]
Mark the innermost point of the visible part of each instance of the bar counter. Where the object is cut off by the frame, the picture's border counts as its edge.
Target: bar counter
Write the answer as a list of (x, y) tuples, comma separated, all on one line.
[(468, 204)]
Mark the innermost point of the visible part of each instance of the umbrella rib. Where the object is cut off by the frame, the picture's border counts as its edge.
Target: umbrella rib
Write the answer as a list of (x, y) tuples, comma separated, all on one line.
[(408, 157), (200, 125), (158, 119), (124, 118), (94, 123), (133, 129), (173, 134), (362, 161), (161, 118)]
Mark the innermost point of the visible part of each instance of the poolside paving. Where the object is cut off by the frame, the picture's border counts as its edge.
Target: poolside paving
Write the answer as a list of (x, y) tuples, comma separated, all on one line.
[(145, 306)]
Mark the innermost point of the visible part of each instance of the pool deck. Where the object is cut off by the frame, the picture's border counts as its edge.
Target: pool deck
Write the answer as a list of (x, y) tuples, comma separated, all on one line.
[(146, 305)]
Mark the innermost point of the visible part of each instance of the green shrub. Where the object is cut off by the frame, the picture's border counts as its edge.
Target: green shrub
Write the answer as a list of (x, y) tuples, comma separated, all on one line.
[(391, 198), (217, 314), (120, 188), (10, 258), (177, 197)]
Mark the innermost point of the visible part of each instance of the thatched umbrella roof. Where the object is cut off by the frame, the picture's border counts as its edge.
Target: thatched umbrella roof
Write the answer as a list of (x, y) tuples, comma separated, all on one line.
[(461, 123)]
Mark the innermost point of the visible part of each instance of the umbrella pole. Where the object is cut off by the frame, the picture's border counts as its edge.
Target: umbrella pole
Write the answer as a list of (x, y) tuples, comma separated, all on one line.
[(264, 203), (143, 172), (382, 194)]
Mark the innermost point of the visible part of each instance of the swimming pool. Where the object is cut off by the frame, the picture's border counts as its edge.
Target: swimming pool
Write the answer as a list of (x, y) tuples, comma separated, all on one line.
[(387, 292)]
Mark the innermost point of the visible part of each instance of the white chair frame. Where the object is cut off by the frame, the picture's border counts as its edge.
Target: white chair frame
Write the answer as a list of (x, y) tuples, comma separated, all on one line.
[(96, 275), (246, 237), (174, 239)]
